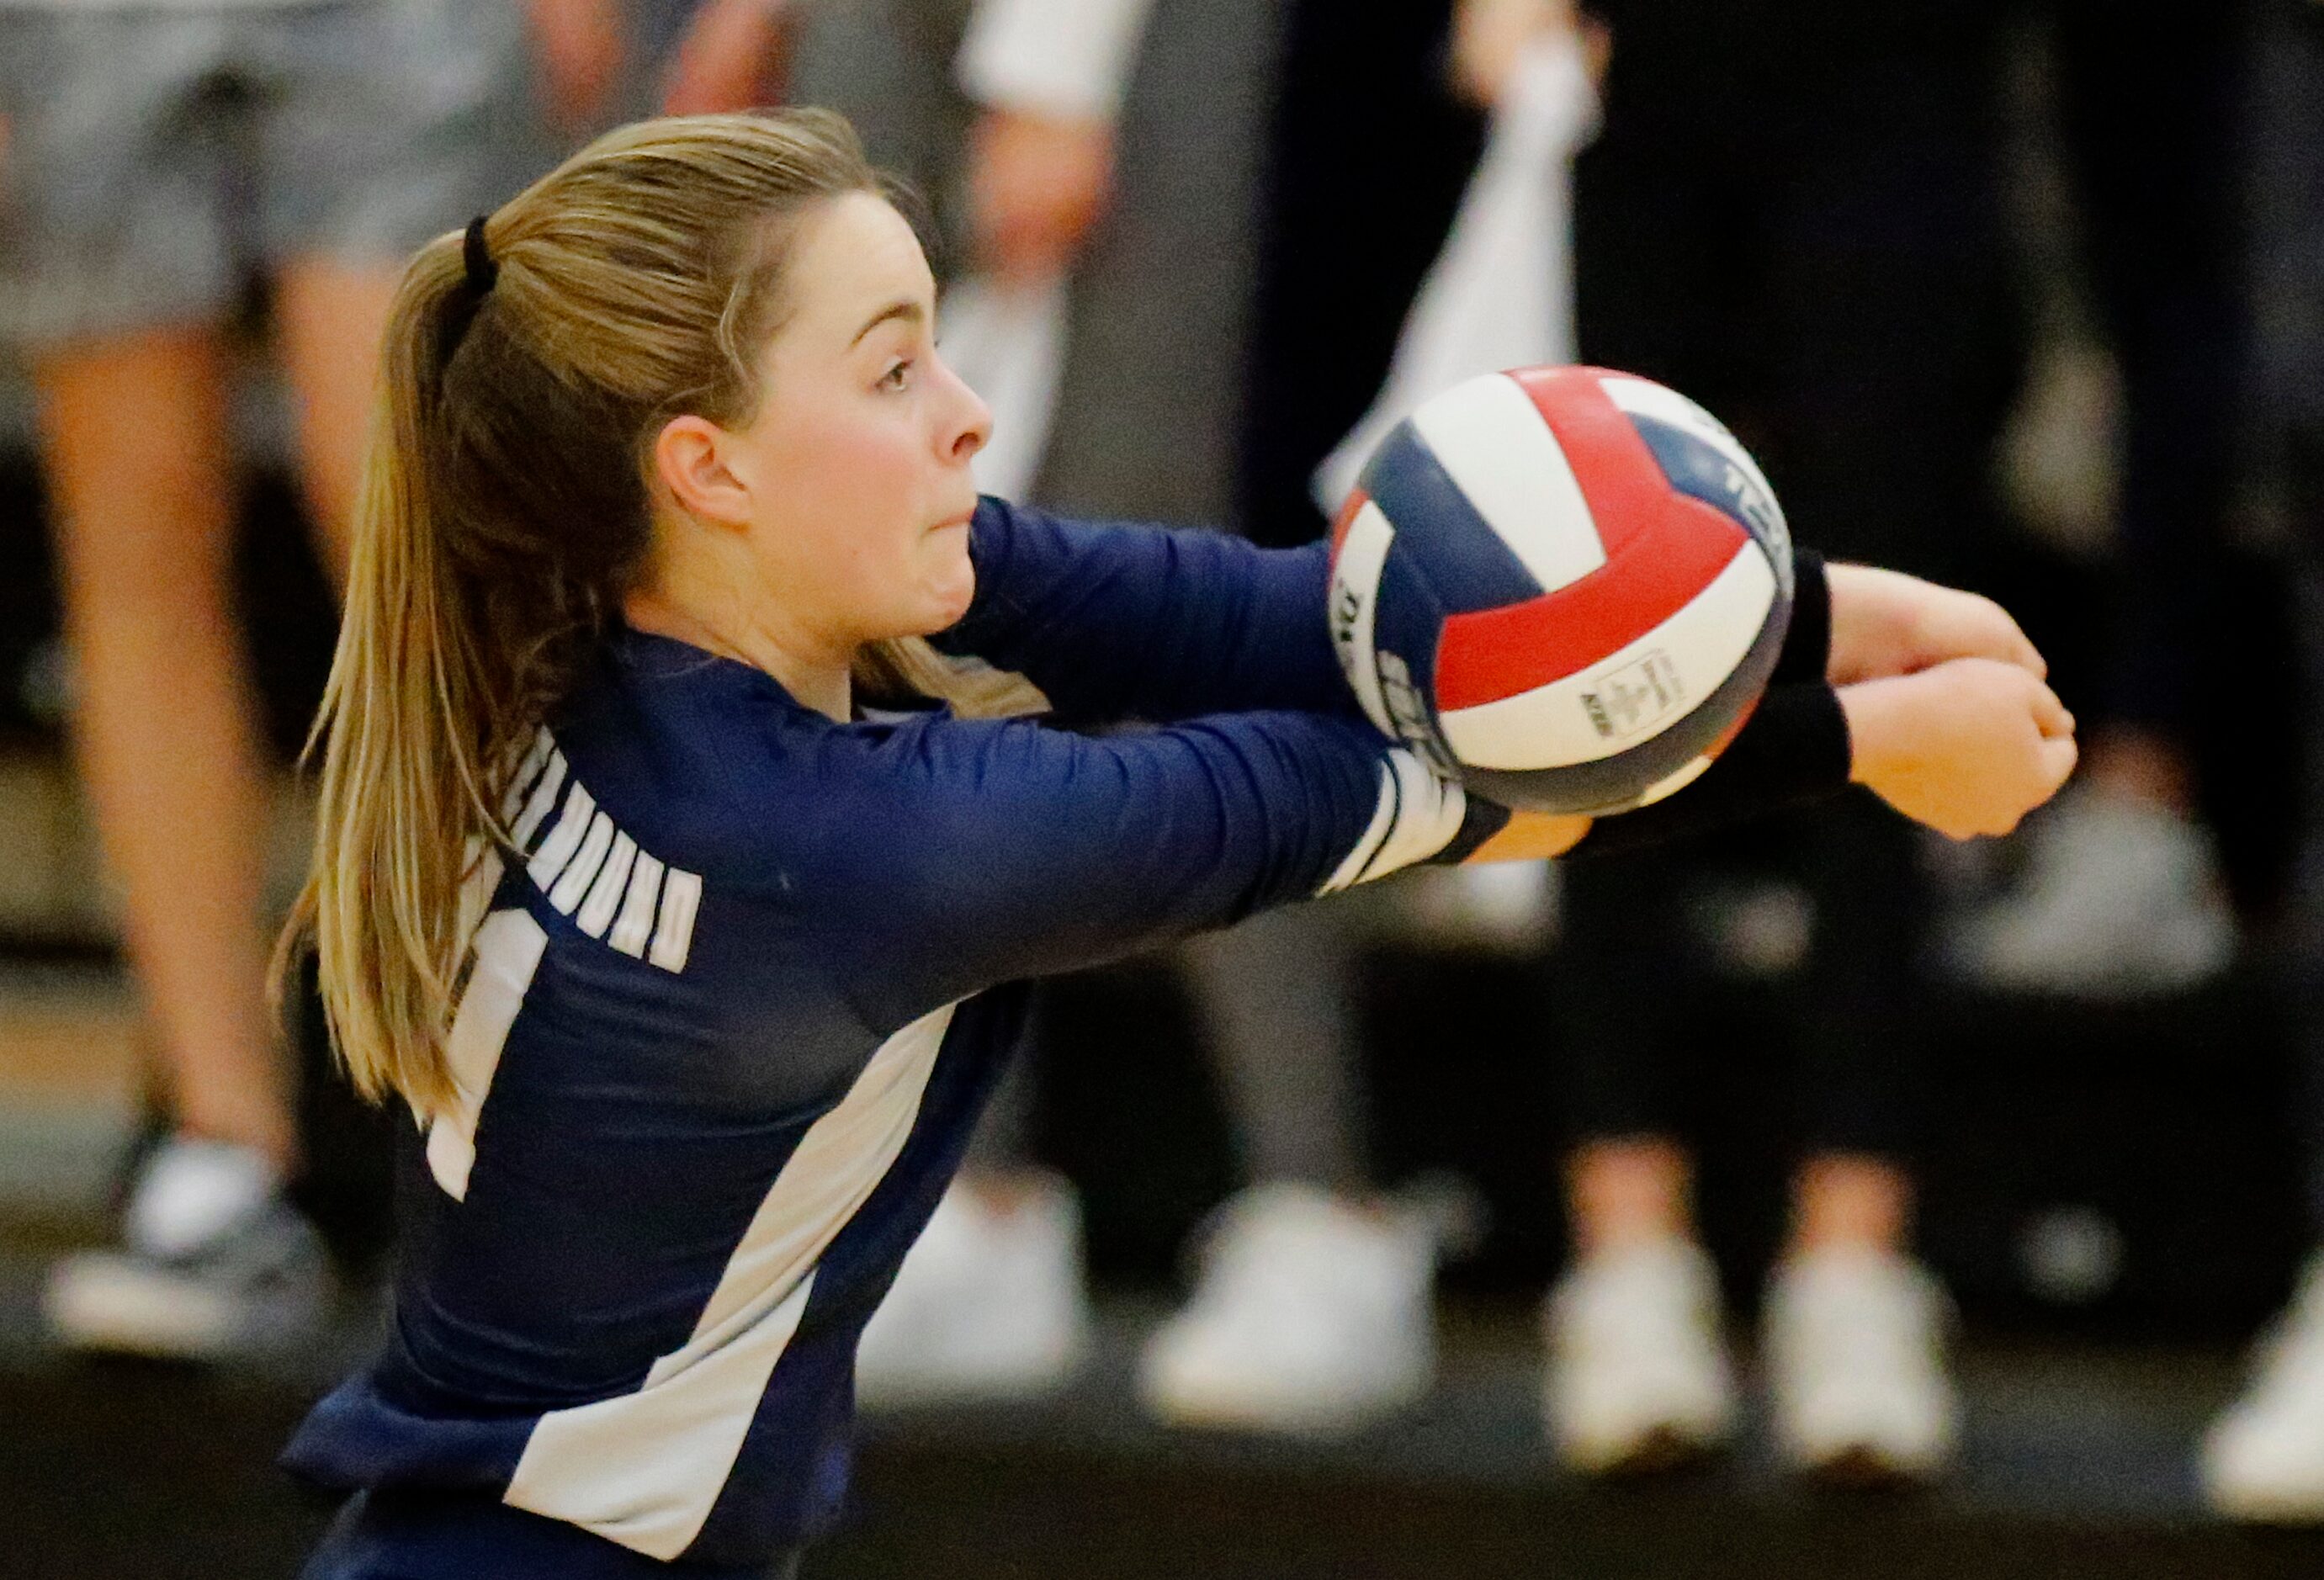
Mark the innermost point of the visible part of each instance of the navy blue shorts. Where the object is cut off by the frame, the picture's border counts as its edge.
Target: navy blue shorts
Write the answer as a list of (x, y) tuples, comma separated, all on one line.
[(411, 1535)]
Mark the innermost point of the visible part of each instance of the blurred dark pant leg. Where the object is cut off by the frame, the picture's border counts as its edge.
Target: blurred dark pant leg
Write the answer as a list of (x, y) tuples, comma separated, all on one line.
[(1648, 938), (1002, 1141), (2301, 956), (1663, 281), (887, 65), (1277, 997), (1150, 403), (2289, 189), (1890, 362), (2153, 109), (1811, 246), (1663, 286), (1860, 1077), (1624, 972)]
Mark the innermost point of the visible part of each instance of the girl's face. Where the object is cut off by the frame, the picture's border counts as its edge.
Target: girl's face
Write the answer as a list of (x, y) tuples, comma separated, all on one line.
[(850, 484)]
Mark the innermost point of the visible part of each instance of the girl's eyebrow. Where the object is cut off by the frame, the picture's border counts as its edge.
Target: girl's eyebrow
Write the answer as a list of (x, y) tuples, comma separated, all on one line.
[(907, 311)]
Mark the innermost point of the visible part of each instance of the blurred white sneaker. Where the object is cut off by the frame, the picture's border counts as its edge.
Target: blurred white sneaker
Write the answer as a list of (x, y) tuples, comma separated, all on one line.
[(2263, 1458), (2119, 897), (1856, 1371), (214, 1264), (1312, 1317), (1637, 1376), (989, 1304), (1493, 907)]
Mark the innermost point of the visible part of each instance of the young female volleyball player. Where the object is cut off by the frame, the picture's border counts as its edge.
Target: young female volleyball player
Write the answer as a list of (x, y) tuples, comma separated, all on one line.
[(692, 967)]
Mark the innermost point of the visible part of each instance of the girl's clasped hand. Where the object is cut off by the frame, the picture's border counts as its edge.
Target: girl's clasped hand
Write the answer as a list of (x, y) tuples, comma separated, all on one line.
[(1950, 717)]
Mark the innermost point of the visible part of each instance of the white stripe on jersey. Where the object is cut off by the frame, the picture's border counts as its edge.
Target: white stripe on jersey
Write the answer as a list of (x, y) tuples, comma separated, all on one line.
[(478, 888), (542, 801), (582, 870), (645, 1468), (597, 911), (519, 782), (1429, 814), (1418, 816), (587, 861), (1350, 870), (681, 898), (563, 839), (509, 947), (636, 924)]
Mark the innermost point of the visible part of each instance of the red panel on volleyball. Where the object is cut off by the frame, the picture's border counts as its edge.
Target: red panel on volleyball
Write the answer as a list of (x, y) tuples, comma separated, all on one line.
[(1497, 653), (1662, 549)]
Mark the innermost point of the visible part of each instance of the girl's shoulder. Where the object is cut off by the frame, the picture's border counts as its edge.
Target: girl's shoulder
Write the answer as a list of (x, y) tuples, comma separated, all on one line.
[(712, 761)]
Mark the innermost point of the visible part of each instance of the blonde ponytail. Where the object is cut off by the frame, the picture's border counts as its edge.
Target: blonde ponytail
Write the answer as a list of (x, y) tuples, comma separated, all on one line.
[(503, 515)]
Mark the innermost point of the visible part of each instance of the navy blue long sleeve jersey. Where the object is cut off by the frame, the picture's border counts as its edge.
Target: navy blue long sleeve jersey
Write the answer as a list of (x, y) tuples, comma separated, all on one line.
[(740, 990)]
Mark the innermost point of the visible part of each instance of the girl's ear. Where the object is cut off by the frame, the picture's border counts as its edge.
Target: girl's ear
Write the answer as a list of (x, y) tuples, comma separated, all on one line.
[(690, 458)]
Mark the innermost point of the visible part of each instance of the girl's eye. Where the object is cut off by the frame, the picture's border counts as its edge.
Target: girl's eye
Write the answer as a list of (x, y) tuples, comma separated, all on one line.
[(896, 377)]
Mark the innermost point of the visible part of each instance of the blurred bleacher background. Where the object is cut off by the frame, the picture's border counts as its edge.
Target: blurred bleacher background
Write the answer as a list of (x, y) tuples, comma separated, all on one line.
[(2110, 1186)]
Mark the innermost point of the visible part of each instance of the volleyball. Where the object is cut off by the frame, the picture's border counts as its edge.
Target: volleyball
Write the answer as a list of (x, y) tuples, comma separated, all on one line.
[(1565, 587)]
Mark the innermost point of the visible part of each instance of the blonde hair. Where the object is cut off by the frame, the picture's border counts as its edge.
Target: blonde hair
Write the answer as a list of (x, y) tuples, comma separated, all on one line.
[(504, 512)]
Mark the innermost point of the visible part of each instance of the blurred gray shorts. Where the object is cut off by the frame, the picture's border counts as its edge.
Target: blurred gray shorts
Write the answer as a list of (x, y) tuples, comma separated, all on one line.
[(155, 159)]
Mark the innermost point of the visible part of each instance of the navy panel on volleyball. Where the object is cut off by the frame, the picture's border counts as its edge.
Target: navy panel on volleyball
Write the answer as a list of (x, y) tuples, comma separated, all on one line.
[(1566, 586)]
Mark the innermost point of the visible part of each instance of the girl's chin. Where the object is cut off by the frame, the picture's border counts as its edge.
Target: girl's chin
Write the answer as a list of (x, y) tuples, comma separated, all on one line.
[(956, 586), (944, 602), (956, 606)]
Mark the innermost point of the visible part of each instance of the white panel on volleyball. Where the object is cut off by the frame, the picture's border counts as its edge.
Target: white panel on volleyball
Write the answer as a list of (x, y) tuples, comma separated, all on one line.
[(1645, 398), (1663, 789), (1554, 725), (1499, 452)]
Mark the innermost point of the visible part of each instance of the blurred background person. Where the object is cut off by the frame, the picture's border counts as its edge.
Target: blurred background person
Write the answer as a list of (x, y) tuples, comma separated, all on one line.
[(1239, 198), (2122, 892), (1792, 215), (2263, 1457), (1797, 214), (1314, 1306), (156, 160), (1096, 158), (604, 63), (160, 163), (1172, 206), (1116, 151), (1759, 175)]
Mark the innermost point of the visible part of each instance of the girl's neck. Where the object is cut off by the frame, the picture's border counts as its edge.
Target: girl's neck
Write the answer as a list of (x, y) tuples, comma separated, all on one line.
[(814, 679)]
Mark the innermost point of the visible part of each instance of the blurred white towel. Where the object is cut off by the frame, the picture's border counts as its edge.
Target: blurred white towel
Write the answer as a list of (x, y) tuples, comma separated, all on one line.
[(1057, 58), (1064, 58), (1008, 345), (1500, 294)]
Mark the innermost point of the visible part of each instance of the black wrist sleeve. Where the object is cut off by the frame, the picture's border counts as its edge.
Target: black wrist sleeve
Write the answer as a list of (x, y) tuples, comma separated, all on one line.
[(1807, 644), (1481, 821), (1793, 751)]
